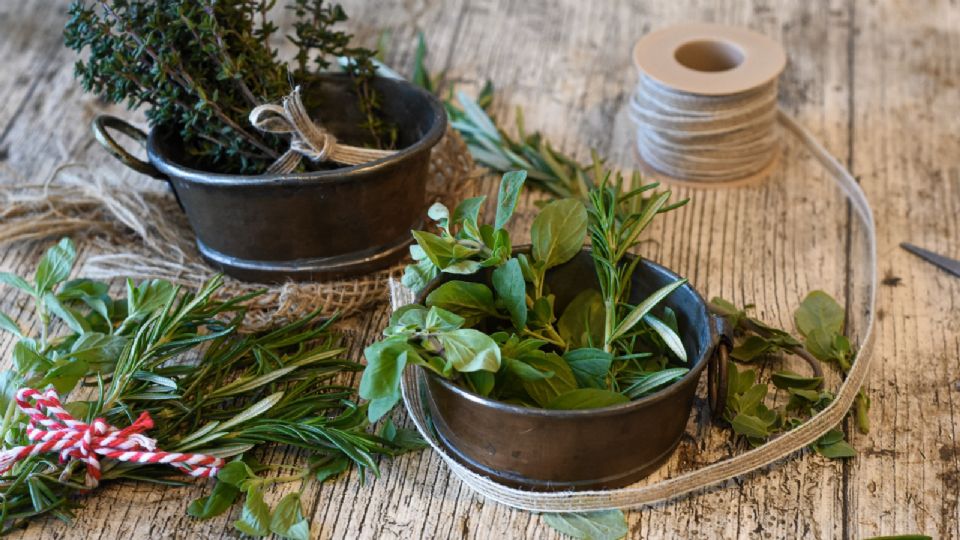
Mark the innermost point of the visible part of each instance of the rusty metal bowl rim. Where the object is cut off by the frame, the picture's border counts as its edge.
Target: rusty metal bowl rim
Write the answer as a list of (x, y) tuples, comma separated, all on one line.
[(676, 386), (159, 158)]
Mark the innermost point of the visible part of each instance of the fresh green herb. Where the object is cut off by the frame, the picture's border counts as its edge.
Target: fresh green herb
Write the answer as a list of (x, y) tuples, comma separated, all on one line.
[(137, 54), (607, 525), (500, 336), (181, 357), (819, 320)]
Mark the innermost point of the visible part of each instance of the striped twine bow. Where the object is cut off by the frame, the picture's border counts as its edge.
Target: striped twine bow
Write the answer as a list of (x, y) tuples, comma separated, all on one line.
[(307, 139), (61, 432)]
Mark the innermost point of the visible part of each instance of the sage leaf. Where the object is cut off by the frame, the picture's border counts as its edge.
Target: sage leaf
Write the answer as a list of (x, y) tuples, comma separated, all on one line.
[(819, 312), (605, 525), (472, 301), (644, 307), (507, 196), (558, 232), (589, 366), (220, 499), (587, 398), (255, 517), (468, 350), (512, 289), (288, 521)]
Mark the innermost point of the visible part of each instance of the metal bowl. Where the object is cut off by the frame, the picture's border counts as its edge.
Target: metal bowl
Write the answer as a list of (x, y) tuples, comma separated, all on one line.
[(311, 225), (547, 450)]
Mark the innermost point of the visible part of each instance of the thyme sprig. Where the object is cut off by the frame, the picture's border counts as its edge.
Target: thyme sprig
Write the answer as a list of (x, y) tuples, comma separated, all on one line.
[(210, 388)]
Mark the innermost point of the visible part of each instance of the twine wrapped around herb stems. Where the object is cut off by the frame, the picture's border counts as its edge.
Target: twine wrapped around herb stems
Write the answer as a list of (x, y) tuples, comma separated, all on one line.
[(307, 139), (644, 494)]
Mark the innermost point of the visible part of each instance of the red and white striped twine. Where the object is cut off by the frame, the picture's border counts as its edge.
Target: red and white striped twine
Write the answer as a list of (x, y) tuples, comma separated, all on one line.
[(58, 431)]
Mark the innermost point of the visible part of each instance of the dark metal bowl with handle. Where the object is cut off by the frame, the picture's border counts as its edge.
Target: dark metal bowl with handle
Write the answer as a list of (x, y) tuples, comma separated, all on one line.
[(609, 447), (311, 225)]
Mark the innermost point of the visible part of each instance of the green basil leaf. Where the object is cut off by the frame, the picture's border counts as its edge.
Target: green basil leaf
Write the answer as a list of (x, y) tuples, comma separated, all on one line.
[(438, 250), (407, 318), (472, 301), (581, 324), (55, 265), (558, 232), (220, 499), (819, 312), (789, 379), (417, 276), (544, 391), (643, 308), (589, 366), (587, 398), (468, 350), (512, 289), (255, 517), (481, 381), (507, 196), (287, 517), (605, 525)]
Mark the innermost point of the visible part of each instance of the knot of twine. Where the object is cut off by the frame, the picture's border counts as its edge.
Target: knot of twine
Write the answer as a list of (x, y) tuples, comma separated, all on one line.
[(307, 139), (705, 138), (60, 432)]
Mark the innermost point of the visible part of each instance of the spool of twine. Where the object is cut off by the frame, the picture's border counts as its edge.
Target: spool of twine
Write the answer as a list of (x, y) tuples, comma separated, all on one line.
[(705, 104)]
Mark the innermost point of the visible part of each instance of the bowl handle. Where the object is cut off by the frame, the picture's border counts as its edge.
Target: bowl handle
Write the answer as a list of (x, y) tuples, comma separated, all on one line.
[(717, 370), (104, 121)]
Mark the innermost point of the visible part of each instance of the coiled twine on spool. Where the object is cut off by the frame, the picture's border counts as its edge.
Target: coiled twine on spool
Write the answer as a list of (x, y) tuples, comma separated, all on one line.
[(705, 104)]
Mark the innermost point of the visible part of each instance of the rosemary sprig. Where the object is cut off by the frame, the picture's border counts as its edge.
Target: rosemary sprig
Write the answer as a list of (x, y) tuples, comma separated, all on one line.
[(181, 356)]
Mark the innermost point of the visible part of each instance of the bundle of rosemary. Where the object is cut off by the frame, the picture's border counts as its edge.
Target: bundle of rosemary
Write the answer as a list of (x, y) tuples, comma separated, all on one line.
[(181, 357)]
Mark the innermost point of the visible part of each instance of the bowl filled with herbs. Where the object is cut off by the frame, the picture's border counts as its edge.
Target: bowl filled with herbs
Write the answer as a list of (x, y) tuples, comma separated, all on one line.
[(556, 365), (285, 170)]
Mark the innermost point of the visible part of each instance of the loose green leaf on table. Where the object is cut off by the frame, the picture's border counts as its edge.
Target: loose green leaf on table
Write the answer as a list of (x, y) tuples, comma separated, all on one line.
[(604, 525)]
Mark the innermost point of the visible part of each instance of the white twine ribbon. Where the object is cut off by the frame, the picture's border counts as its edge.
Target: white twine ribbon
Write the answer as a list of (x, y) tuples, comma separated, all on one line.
[(307, 139), (703, 138), (641, 494)]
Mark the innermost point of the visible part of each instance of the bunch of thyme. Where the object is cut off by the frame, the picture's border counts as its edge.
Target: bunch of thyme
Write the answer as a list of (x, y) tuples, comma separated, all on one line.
[(204, 65)]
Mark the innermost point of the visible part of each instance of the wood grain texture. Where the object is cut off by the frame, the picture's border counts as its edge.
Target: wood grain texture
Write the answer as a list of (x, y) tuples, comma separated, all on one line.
[(876, 81)]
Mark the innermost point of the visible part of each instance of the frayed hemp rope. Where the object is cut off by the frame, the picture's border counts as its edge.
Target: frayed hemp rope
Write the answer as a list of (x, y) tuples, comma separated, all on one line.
[(642, 493), (134, 228), (307, 139)]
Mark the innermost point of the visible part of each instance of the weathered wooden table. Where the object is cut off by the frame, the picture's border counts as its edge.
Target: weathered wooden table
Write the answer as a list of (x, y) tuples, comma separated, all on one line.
[(878, 81)]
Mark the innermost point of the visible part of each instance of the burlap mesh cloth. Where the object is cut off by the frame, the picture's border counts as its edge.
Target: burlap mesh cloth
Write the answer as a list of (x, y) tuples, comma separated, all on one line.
[(138, 231)]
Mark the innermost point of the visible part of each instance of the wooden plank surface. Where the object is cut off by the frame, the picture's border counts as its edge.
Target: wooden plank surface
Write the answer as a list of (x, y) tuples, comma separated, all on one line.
[(876, 81)]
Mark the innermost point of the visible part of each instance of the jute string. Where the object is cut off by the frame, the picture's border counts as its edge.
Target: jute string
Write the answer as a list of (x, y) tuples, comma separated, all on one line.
[(133, 227), (641, 494), (705, 138), (307, 139)]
